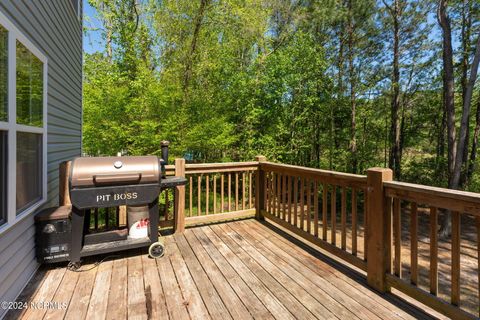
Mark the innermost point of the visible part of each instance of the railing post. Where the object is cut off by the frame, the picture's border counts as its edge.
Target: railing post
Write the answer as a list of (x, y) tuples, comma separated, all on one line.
[(378, 229), (179, 226), (259, 191)]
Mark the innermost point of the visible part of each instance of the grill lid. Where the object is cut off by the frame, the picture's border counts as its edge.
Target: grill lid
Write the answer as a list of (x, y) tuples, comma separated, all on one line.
[(113, 171)]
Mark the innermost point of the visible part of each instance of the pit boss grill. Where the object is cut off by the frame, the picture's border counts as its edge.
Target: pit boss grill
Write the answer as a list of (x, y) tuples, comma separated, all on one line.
[(110, 182), (103, 182)]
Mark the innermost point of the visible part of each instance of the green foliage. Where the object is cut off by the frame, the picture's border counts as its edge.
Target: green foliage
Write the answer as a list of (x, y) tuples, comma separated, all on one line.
[(228, 80)]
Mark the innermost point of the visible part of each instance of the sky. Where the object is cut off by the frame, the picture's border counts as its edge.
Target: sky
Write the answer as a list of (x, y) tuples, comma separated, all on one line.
[(92, 40)]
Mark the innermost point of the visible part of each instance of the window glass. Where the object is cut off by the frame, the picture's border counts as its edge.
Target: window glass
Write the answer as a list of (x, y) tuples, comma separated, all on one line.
[(29, 169), (3, 74), (29, 88), (3, 177)]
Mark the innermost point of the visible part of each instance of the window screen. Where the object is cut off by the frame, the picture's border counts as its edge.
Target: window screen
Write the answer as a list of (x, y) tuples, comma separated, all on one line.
[(3, 74), (3, 177), (29, 88), (29, 169)]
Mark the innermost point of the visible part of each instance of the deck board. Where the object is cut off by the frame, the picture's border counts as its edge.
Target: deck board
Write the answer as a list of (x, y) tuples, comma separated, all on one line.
[(239, 270)]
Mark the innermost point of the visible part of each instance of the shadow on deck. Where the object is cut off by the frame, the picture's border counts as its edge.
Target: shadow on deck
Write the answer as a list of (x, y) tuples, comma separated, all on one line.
[(242, 269)]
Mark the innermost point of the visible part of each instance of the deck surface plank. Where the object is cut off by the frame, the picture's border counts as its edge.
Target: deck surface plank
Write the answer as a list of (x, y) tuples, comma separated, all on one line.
[(97, 309), (193, 299), (288, 298), (239, 270), (233, 303), (64, 295), (244, 292), (211, 297), (155, 298), (319, 275), (78, 306), (117, 299)]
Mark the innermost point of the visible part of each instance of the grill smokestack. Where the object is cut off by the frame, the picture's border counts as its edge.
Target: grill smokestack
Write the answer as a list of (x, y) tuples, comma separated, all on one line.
[(164, 146)]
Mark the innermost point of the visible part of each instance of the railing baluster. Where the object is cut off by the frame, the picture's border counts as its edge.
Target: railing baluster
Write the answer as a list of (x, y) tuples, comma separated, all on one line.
[(477, 223), (389, 236), (95, 212), (295, 198), (397, 236), (279, 195), (289, 199), (315, 206), (413, 243), (250, 190), (266, 187), (222, 198), (309, 207), (117, 217), (284, 197), (433, 251), (214, 193), (344, 218), (365, 225), (455, 258), (199, 194), (106, 217), (271, 189), (243, 190), (236, 191), (190, 213), (207, 193), (333, 211), (324, 211), (274, 193), (229, 192), (354, 221), (167, 203), (302, 203)]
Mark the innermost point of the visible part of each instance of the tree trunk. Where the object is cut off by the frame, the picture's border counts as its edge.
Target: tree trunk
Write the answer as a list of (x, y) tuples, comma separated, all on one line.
[(462, 141), (193, 45), (449, 105), (473, 152), (465, 33), (448, 85), (395, 151), (353, 102)]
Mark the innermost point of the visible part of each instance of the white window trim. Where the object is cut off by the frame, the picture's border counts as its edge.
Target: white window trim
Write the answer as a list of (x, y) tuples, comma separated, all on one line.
[(12, 127)]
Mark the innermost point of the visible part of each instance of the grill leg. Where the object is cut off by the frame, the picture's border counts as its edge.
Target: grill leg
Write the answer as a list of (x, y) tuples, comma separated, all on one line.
[(78, 217), (154, 217)]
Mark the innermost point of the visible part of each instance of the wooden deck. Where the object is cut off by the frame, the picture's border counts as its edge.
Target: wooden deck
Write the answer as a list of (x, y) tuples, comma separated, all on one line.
[(241, 270)]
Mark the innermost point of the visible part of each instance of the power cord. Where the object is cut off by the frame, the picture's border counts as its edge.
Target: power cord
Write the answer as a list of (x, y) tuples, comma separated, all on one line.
[(75, 266)]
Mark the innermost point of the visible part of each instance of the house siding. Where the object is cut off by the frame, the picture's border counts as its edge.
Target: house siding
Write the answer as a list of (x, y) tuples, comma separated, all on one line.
[(55, 29)]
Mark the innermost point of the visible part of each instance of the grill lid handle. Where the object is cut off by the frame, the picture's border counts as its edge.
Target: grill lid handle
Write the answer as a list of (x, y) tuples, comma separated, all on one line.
[(117, 178)]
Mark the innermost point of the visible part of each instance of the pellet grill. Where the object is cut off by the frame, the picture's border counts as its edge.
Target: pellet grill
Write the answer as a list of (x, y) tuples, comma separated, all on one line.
[(102, 182)]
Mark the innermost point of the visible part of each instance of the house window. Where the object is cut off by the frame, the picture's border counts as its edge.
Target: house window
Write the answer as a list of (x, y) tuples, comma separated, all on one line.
[(23, 136)]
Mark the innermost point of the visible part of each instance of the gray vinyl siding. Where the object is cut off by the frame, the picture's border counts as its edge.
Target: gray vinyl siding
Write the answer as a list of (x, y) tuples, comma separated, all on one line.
[(54, 28)]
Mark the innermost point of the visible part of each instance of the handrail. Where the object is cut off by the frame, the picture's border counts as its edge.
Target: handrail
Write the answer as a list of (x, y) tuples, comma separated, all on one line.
[(455, 200), (331, 177), (196, 168)]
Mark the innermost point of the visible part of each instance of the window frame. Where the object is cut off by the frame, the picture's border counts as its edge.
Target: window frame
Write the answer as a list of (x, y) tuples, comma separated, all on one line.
[(11, 126)]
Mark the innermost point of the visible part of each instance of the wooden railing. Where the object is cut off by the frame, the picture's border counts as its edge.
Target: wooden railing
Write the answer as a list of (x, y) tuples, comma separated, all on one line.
[(417, 203), (214, 192), (326, 208)]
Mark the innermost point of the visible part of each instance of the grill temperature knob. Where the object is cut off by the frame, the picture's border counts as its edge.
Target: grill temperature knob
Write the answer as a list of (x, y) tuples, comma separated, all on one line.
[(118, 164)]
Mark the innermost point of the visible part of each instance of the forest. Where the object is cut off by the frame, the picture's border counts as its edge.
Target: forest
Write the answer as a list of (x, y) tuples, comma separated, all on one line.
[(335, 84)]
